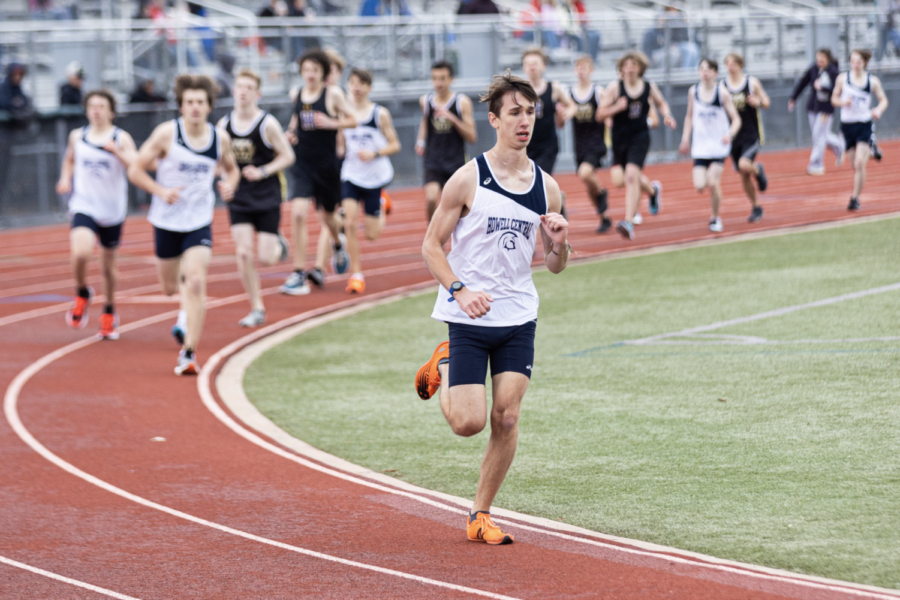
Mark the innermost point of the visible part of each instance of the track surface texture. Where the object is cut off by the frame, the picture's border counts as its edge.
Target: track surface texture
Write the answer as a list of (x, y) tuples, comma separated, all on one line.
[(208, 514)]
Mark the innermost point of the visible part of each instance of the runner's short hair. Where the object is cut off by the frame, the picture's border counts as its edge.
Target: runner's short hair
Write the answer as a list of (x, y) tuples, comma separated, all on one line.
[(186, 82), (638, 57), (364, 75), (319, 57), (504, 84), (337, 61), (865, 55), (585, 58), (736, 58), (443, 64), (101, 94), (250, 74), (711, 63), (536, 51)]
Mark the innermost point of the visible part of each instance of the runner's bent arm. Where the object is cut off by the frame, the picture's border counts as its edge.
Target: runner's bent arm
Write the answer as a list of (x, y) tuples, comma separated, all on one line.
[(685, 146), (390, 134), (878, 90), (759, 97), (339, 106), (465, 123), (125, 150), (838, 90), (229, 167), (422, 136), (284, 154), (554, 230), (460, 189), (565, 106), (156, 147), (657, 98), (728, 103), (611, 103), (67, 170)]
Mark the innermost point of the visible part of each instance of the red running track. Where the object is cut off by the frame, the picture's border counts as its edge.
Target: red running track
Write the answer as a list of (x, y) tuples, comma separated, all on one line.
[(208, 514)]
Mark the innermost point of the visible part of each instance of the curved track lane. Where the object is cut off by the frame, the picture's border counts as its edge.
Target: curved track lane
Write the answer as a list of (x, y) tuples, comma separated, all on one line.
[(210, 514)]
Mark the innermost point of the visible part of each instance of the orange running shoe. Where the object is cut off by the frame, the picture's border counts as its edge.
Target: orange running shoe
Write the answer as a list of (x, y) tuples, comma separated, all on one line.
[(356, 285), (386, 202), (77, 316), (109, 327), (428, 379), (482, 529)]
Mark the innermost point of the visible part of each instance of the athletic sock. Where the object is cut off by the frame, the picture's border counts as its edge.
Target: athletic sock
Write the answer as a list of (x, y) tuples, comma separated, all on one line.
[(298, 271), (108, 309), (84, 293), (181, 321), (188, 353), (474, 515), (444, 361), (357, 276)]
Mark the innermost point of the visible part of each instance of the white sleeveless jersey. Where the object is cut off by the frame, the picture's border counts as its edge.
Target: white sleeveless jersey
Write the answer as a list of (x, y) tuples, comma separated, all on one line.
[(710, 126), (367, 136), (492, 247), (861, 109), (100, 185), (194, 170)]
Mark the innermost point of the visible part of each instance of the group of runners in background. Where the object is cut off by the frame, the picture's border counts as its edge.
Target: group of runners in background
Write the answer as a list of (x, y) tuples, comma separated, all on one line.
[(336, 149)]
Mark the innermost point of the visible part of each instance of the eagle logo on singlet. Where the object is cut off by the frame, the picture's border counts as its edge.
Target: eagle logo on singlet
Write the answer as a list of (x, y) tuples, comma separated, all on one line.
[(507, 241), (97, 168), (585, 113), (441, 125), (307, 118), (740, 100), (244, 150), (635, 108), (538, 110)]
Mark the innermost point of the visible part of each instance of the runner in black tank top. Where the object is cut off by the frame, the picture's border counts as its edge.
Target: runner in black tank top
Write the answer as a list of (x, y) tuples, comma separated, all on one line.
[(447, 124), (627, 100), (748, 96), (590, 143), (319, 112), (261, 151)]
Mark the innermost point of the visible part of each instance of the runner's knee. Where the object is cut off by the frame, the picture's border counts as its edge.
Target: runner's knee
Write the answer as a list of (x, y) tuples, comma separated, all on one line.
[(467, 426)]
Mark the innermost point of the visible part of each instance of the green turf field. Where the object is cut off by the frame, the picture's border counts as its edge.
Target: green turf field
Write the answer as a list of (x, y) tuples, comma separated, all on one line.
[(798, 469)]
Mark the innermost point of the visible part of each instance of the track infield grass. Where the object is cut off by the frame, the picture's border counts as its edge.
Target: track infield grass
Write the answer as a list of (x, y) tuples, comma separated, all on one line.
[(798, 468)]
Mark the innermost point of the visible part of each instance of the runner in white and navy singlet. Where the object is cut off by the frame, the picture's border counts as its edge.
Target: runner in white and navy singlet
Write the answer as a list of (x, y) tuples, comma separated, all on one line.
[(99, 198), (853, 92), (364, 179)]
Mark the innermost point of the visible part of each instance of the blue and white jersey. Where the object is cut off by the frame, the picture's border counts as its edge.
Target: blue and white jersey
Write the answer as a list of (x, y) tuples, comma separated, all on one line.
[(367, 135), (860, 111), (99, 184), (710, 126), (193, 170), (492, 248)]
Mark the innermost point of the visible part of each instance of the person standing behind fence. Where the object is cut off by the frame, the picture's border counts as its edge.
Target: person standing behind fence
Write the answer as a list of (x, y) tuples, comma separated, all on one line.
[(749, 96), (94, 172), (447, 124), (853, 93), (821, 75)]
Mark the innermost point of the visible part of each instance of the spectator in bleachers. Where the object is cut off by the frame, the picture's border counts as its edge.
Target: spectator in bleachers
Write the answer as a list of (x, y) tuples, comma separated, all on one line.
[(43, 9), (478, 7), (275, 8), (145, 93), (12, 97), (70, 92), (379, 8), (225, 74), (888, 13), (300, 43), (821, 75), (578, 17), (684, 52), (551, 24)]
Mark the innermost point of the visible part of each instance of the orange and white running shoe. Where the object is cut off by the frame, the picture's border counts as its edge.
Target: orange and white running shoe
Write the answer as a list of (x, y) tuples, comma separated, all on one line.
[(187, 364), (386, 202), (77, 316), (482, 529), (428, 379), (356, 284), (109, 327)]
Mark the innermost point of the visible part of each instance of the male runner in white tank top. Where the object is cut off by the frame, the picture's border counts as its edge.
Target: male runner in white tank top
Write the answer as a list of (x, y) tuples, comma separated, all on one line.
[(707, 134), (493, 207), (366, 170), (186, 154), (93, 171), (262, 152), (853, 93)]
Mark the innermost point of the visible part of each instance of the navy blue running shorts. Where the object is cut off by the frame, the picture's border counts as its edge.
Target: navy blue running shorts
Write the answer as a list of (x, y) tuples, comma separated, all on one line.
[(856, 133), (370, 198), (109, 236), (172, 244), (472, 346), (707, 162)]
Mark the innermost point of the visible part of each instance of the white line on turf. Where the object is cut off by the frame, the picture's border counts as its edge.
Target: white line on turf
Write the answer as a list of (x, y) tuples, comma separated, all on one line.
[(10, 407), (64, 579), (243, 351)]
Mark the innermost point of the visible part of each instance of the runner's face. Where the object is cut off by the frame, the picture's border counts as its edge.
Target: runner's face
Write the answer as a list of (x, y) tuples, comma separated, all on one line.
[(358, 89), (516, 121), (245, 91), (534, 66), (583, 70), (707, 75), (312, 74), (856, 62), (441, 80), (195, 106), (631, 70), (334, 75), (822, 61), (99, 113), (733, 67)]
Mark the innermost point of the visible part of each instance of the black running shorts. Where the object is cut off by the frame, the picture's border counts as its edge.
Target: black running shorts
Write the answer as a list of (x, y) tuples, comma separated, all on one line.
[(473, 346), (370, 198), (631, 151), (108, 236), (744, 149), (172, 244), (322, 182), (263, 221), (544, 157), (436, 176), (592, 158)]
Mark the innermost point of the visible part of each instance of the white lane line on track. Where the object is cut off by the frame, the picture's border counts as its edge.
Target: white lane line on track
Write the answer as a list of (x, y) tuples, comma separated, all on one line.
[(64, 579), (10, 408), (344, 470)]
